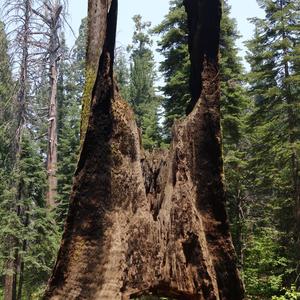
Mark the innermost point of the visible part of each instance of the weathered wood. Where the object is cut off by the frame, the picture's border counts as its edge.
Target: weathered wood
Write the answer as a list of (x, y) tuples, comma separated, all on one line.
[(97, 25), (149, 223), (53, 23), (52, 139)]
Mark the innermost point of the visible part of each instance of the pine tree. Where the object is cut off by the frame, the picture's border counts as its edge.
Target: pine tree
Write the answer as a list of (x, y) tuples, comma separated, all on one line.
[(275, 135), (38, 234), (142, 94), (234, 106), (122, 72), (173, 45), (70, 85), (6, 98), (6, 155), (27, 228)]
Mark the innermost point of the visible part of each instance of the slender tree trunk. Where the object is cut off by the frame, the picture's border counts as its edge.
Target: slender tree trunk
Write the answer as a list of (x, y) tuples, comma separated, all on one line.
[(52, 139), (54, 45), (153, 223), (22, 263), (239, 224), (9, 279)]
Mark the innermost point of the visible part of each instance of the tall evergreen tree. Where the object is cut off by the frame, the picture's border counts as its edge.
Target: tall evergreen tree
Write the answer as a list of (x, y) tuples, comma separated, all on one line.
[(275, 136), (24, 219), (6, 153), (173, 45), (6, 96), (142, 94), (122, 72), (71, 82), (234, 105), (20, 12)]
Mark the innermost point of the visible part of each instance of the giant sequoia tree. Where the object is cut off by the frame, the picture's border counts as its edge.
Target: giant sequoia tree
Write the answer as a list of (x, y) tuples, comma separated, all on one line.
[(155, 223)]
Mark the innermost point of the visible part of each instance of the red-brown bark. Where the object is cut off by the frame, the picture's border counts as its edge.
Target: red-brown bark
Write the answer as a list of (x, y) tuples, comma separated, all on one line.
[(143, 223)]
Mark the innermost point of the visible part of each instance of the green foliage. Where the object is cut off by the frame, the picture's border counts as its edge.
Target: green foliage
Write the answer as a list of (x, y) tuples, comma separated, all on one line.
[(290, 294), (25, 220), (275, 133), (28, 233), (122, 72), (173, 45), (264, 266), (70, 85), (6, 108), (234, 106), (261, 137), (142, 95)]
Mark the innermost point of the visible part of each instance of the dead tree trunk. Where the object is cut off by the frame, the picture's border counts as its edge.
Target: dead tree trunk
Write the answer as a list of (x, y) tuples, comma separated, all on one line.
[(52, 138), (143, 224), (54, 46), (51, 17)]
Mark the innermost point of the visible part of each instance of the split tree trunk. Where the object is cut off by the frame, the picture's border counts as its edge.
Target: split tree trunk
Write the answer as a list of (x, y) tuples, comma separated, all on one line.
[(154, 223)]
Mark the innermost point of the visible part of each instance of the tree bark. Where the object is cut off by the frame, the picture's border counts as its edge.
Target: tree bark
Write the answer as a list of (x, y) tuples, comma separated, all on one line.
[(9, 280), (52, 139), (22, 263), (53, 22), (155, 223), (97, 24)]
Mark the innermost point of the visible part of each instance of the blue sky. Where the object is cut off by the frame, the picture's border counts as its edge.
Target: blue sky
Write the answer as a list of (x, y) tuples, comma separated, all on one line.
[(154, 11)]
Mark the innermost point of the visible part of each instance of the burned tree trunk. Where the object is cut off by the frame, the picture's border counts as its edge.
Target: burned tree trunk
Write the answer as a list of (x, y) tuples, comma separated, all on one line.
[(142, 224)]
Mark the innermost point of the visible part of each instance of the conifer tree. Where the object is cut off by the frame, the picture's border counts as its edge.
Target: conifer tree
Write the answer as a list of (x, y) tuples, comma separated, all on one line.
[(6, 156), (25, 230), (20, 13), (275, 135), (122, 72), (70, 86), (142, 94), (234, 106), (6, 108), (173, 45)]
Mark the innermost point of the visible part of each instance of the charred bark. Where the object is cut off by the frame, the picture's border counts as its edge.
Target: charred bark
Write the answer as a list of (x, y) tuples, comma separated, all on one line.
[(149, 223)]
